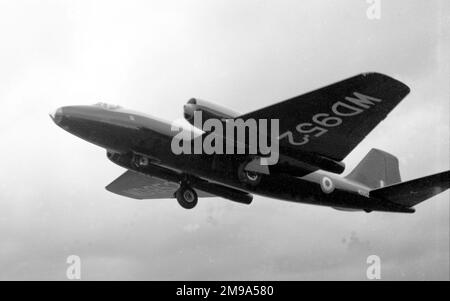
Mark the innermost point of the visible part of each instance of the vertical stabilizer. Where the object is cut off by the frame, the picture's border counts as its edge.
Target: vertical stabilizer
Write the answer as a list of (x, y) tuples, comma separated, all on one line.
[(376, 170)]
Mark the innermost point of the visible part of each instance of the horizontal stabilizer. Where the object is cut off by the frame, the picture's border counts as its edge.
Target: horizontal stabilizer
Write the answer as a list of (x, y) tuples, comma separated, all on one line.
[(413, 192)]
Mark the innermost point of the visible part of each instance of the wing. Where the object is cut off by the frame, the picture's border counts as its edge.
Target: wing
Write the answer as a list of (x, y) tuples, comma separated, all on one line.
[(333, 120), (138, 186)]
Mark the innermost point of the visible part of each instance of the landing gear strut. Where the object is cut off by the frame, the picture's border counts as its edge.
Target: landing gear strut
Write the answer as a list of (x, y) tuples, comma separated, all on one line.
[(186, 197)]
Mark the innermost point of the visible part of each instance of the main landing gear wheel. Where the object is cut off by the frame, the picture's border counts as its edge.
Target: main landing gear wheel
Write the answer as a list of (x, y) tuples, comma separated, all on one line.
[(248, 177), (186, 197), (140, 161)]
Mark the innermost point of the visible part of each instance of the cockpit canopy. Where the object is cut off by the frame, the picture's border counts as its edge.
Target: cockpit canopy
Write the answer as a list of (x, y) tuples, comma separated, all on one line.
[(107, 106)]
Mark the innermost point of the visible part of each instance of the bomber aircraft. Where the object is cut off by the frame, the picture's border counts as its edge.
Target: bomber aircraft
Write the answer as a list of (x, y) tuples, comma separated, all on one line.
[(316, 132)]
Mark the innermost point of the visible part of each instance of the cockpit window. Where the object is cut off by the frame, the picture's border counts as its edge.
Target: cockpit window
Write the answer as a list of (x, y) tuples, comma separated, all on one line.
[(107, 106)]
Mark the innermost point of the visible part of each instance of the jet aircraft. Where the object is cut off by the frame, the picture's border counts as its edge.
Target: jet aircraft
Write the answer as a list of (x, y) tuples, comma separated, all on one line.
[(317, 131)]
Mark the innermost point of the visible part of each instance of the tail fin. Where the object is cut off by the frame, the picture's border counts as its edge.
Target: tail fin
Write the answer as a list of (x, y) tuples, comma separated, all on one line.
[(377, 169), (413, 192)]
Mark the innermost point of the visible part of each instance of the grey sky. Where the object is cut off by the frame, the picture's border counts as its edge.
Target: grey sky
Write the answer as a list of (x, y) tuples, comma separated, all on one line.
[(153, 56)]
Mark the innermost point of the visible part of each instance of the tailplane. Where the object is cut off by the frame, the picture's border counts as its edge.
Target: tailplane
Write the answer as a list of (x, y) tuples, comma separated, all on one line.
[(413, 192), (380, 172), (377, 169)]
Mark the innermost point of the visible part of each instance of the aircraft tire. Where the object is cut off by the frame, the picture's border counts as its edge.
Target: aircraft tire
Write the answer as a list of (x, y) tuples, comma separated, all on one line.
[(140, 161), (248, 177), (186, 197)]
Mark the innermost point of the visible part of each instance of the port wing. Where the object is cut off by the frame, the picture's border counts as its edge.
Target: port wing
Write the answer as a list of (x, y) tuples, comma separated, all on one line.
[(138, 186)]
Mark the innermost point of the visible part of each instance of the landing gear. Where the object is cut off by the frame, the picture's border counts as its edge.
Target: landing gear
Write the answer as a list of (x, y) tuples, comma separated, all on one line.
[(140, 161), (186, 197), (248, 177)]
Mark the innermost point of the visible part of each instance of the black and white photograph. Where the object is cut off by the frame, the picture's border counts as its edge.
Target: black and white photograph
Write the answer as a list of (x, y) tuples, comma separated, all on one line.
[(218, 141)]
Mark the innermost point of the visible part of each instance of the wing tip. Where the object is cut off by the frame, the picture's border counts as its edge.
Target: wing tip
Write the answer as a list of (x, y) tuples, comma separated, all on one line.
[(402, 87)]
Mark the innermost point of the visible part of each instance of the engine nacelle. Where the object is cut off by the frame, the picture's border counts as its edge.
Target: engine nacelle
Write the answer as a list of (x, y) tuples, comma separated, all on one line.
[(208, 109)]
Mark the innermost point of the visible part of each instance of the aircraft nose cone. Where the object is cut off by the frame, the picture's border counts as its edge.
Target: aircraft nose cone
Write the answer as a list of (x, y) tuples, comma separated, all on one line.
[(56, 115)]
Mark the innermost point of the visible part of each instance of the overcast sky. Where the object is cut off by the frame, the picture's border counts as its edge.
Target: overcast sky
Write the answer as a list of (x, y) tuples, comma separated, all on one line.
[(153, 56)]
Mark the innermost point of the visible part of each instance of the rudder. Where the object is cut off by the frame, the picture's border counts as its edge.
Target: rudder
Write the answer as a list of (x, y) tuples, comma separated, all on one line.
[(376, 170)]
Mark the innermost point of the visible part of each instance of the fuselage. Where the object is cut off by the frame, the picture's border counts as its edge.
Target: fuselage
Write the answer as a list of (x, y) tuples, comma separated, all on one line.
[(125, 132)]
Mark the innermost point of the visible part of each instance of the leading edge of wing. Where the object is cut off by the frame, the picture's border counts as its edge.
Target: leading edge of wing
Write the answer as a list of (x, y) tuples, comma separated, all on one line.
[(376, 76)]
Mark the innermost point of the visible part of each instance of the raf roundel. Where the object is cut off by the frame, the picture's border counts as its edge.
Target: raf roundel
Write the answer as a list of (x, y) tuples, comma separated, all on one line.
[(327, 185)]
